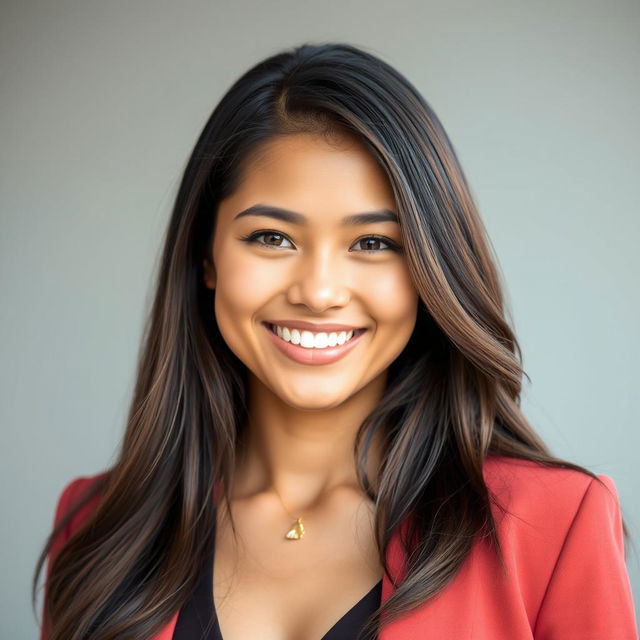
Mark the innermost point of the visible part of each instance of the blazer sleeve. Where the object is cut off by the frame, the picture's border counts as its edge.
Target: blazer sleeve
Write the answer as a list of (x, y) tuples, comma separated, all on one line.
[(64, 501), (589, 596)]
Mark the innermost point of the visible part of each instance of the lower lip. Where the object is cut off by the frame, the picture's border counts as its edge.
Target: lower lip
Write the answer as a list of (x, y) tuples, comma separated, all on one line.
[(313, 356)]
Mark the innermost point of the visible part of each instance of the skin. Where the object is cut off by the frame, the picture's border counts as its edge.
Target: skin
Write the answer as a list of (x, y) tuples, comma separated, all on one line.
[(298, 455)]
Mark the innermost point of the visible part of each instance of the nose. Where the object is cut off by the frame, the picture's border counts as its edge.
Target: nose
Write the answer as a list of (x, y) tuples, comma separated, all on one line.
[(320, 281)]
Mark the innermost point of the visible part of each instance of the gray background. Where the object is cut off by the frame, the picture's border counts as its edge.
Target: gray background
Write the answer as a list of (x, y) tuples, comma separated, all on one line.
[(101, 103)]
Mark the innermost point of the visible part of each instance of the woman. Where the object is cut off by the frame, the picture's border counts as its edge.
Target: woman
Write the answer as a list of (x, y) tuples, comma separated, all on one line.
[(325, 437)]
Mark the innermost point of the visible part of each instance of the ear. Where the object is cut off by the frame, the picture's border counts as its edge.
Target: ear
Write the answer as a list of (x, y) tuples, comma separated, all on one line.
[(209, 274)]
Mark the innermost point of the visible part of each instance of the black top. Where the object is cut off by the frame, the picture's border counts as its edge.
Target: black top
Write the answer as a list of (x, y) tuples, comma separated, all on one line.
[(197, 619)]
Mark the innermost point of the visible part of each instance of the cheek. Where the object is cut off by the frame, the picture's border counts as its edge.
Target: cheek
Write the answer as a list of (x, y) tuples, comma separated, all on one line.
[(393, 300), (242, 284), (241, 290)]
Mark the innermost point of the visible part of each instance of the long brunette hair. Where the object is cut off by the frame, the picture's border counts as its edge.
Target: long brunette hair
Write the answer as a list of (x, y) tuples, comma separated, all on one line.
[(452, 396)]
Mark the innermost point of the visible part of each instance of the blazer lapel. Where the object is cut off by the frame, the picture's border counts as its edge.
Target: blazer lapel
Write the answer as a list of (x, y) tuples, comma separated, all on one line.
[(395, 558)]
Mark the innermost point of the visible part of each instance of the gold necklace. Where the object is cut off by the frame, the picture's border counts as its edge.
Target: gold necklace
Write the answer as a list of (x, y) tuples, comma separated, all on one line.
[(296, 530)]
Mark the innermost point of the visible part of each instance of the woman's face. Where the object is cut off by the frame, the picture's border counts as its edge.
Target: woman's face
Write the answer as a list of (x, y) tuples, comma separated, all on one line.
[(312, 267)]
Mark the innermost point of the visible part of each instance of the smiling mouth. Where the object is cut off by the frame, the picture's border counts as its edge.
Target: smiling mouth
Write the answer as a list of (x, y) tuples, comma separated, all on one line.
[(306, 339), (310, 354)]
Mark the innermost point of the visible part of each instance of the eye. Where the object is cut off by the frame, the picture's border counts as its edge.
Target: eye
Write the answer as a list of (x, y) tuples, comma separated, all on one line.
[(374, 241), (252, 238)]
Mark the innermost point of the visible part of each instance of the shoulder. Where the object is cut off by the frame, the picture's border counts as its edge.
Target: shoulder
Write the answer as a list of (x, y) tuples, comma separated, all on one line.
[(563, 534), (543, 511), (530, 488), (74, 492)]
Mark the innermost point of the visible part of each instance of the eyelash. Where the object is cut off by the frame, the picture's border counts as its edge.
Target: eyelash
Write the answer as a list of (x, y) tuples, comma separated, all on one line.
[(252, 239)]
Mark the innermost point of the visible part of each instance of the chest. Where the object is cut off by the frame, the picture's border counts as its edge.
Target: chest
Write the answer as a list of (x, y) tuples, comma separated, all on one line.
[(268, 587)]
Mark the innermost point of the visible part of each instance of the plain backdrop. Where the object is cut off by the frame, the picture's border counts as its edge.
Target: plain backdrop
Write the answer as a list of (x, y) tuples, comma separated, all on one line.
[(101, 103)]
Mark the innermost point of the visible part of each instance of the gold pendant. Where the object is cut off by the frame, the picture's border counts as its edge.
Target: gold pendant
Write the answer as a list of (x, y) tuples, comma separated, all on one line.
[(297, 530)]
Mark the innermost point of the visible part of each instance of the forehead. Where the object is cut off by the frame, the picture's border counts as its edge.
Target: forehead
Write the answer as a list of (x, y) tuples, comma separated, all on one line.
[(309, 174)]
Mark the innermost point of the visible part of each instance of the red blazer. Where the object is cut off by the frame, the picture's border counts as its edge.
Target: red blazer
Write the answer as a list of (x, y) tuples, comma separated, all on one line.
[(563, 545)]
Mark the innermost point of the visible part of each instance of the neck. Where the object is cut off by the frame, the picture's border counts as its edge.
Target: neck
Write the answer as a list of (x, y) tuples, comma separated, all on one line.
[(303, 455)]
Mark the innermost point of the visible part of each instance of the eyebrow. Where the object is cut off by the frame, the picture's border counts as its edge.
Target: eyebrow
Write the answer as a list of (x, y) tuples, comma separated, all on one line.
[(293, 217)]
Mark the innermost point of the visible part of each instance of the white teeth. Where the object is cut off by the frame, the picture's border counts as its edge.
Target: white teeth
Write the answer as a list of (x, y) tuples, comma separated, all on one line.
[(307, 339), (310, 340)]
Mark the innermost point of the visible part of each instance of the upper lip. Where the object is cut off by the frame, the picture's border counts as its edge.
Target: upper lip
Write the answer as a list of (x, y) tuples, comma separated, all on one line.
[(312, 326)]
